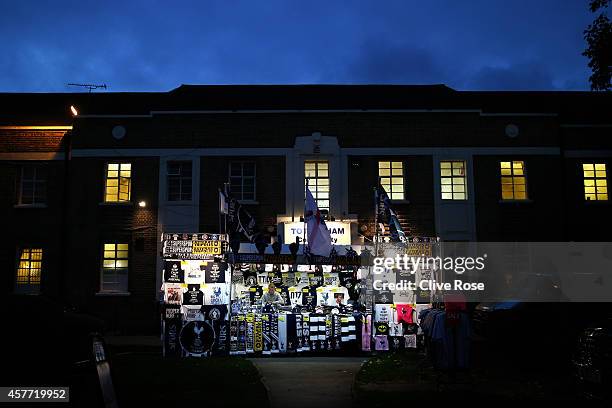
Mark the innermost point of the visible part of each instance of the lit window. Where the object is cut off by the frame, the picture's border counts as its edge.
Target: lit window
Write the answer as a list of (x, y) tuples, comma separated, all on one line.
[(32, 185), (316, 174), (452, 180), (595, 182), (513, 182), (115, 268), (242, 180), (179, 180), (118, 182), (391, 176), (28, 270)]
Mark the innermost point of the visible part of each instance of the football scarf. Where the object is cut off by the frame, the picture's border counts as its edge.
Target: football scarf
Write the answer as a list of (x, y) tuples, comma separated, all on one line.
[(234, 335), (267, 342), (282, 325), (306, 331), (171, 346), (274, 337), (366, 334), (299, 333), (258, 342), (250, 333), (241, 334), (221, 336)]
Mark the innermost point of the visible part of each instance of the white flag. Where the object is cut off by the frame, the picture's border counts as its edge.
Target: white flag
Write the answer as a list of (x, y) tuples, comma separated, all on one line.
[(319, 239), (222, 203)]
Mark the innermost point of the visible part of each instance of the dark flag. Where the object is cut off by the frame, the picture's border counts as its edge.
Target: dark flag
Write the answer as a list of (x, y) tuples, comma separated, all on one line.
[(238, 218), (386, 215)]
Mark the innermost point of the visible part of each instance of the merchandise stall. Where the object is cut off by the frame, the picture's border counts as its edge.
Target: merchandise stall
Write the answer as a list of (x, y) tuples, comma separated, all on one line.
[(212, 299)]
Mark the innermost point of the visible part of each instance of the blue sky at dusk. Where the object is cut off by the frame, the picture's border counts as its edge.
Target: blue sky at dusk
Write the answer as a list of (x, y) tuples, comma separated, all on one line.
[(156, 46)]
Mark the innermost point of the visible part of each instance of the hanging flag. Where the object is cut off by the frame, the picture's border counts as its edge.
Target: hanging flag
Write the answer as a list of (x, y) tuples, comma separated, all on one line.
[(386, 215), (319, 239), (222, 203), (238, 218)]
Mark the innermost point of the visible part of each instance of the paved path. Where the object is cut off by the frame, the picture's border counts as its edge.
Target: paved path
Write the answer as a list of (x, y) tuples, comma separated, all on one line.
[(309, 381)]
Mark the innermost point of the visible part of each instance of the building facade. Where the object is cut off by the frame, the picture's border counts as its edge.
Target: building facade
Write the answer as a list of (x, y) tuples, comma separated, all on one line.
[(86, 195)]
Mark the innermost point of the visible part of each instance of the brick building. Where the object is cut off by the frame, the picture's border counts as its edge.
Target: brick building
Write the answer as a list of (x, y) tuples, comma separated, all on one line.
[(87, 196)]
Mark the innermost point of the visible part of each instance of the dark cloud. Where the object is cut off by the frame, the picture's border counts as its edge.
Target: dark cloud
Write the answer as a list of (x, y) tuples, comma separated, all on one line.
[(381, 61), (517, 77), (147, 45)]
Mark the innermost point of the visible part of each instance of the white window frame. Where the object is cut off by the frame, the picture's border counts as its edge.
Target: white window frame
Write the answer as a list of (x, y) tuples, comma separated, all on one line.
[(179, 178), (240, 197), (105, 265), (451, 178), (120, 176), (394, 189), (317, 183), (35, 181)]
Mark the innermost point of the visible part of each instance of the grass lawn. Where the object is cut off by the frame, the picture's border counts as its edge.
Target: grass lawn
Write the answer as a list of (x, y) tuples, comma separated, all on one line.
[(408, 377), (147, 379)]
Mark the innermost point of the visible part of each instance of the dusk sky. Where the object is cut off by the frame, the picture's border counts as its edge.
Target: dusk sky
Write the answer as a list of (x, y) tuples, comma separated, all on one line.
[(156, 46)]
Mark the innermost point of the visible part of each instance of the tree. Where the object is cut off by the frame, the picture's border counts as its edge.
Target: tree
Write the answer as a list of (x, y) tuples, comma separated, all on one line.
[(598, 36)]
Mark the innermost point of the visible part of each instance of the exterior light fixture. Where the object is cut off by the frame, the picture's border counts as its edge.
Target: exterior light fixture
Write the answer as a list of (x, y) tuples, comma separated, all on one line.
[(74, 111), (142, 204)]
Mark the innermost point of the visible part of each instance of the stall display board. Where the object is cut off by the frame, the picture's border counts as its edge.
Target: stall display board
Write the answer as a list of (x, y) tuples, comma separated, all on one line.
[(196, 295)]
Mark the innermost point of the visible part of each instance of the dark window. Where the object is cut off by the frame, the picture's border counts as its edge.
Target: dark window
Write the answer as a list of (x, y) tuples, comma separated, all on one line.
[(242, 180), (179, 180), (32, 185)]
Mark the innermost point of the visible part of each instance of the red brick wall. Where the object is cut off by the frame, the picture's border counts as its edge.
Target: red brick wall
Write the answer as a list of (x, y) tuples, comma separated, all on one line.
[(416, 214), (94, 224), (539, 219), (31, 140), (352, 129), (270, 189)]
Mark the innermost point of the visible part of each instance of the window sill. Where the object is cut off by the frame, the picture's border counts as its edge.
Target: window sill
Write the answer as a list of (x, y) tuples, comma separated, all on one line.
[(179, 202), (30, 206), (117, 203), (400, 201), (248, 202), (106, 294), (527, 201), (596, 202)]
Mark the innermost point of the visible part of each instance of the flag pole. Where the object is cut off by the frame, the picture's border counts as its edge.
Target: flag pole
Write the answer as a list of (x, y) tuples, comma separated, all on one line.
[(304, 217), (225, 190)]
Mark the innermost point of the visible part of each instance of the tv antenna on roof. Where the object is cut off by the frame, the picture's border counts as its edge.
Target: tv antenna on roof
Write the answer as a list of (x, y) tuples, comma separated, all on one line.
[(90, 86)]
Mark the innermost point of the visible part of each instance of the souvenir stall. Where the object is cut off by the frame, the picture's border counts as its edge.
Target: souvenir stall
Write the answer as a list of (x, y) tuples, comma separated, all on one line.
[(196, 295), (395, 318), (212, 298), (319, 309)]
